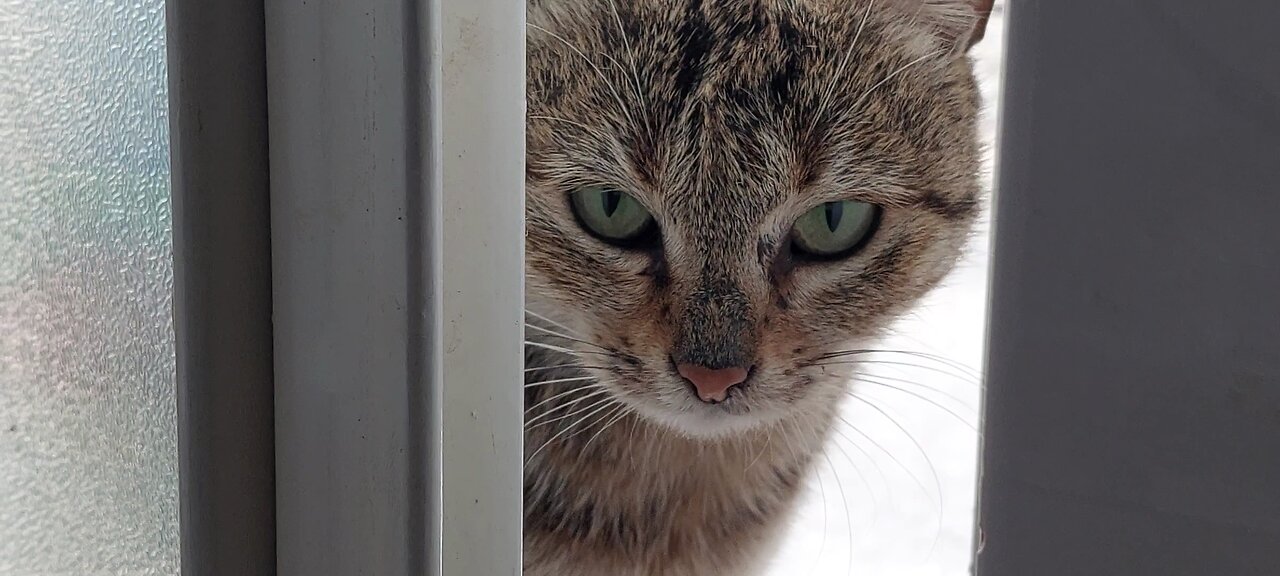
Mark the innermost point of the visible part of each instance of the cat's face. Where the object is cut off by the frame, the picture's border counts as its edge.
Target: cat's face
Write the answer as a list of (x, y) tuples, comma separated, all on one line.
[(741, 185)]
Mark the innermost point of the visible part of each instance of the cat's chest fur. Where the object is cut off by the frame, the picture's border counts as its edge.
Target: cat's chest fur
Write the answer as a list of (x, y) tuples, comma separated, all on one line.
[(636, 501)]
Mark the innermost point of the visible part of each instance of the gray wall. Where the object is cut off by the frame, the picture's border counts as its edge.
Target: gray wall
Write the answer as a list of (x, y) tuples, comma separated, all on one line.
[(1133, 409)]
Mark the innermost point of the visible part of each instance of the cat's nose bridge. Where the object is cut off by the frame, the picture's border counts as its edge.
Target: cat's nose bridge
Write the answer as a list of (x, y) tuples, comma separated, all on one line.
[(716, 328)]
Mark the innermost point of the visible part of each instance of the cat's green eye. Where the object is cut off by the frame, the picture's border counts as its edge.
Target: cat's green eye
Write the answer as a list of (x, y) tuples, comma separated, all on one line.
[(613, 215), (834, 228)]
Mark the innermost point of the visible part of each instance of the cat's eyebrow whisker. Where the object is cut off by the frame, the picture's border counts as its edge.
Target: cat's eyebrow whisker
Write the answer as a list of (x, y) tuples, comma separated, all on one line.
[(626, 43), (617, 96), (858, 103), (569, 338), (835, 78)]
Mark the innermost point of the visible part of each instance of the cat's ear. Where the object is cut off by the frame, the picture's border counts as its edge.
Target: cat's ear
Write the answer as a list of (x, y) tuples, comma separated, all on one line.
[(959, 23)]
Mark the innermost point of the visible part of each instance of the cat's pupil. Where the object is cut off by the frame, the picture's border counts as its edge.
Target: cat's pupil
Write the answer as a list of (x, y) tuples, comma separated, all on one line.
[(611, 200), (834, 211)]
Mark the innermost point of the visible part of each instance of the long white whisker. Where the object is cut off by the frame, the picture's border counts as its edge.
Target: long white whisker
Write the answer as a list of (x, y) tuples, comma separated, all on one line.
[(534, 423), (559, 325), (559, 381), (567, 429), (563, 350), (621, 103), (914, 478), (937, 482), (904, 381), (561, 418), (848, 523), (969, 371), (566, 337), (858, 103), (835, 78), (873, 362), (562, 394), (922, 397), (626, 43), (620, 415)]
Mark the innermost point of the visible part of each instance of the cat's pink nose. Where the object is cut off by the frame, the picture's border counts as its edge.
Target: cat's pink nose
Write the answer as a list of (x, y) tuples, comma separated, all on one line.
[(712, 384)]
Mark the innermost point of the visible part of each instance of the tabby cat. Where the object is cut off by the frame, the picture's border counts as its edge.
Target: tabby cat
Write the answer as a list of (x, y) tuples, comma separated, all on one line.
[(722, 197)]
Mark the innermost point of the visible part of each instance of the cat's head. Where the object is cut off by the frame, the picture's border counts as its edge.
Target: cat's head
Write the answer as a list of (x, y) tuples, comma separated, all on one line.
[(730, 190)]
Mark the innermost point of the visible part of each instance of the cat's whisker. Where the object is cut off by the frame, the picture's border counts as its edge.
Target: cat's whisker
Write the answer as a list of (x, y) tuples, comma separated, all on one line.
[(940, 502), (557, 396), (571, 414), (968, 370), (906, 382), (768, 442), (536, 423), (626, 44), (607, 403), (559, 381), (566, 337), (901, 69), (560, 325), (844, 501), (612, 88), (569, 351), (914, 478), (823, 102), (822, 544), (873, 362), (620, 415), (921, 397), (591, 420), (875, 501), (937, 481), (586, 128), (563, 366)]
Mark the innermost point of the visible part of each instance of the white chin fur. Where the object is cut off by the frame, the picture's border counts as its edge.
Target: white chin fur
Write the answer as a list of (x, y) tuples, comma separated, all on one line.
[(706, 422)]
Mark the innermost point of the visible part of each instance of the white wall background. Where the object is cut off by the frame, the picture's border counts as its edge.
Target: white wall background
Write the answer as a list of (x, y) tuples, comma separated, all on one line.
[(872, 514)]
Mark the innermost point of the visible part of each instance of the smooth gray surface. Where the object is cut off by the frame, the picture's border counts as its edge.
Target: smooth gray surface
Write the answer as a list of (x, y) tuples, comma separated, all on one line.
[(222, 286), (1133, 408), (355, 229), (482, 130)]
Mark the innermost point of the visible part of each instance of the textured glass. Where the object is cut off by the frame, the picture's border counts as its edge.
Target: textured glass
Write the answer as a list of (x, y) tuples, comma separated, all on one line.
[(88, 448)]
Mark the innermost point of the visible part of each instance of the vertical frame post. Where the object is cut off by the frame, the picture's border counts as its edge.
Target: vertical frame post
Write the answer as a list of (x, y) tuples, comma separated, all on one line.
[(355, 237), (1133, 393), (222, 286), (483, 145)]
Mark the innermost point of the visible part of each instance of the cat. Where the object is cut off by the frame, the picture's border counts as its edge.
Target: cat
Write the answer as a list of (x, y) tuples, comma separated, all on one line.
[(722, 196)]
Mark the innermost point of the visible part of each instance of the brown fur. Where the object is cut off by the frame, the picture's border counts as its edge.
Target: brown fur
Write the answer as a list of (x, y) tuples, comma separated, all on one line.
[(727, 119)]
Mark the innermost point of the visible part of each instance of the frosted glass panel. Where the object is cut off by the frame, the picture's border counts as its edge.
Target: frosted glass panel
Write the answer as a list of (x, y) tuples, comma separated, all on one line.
[(88, 447)]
